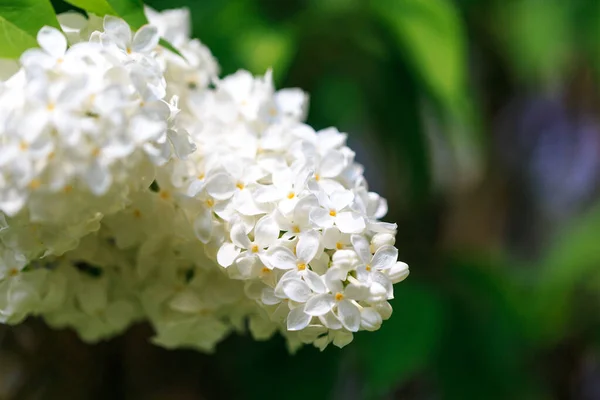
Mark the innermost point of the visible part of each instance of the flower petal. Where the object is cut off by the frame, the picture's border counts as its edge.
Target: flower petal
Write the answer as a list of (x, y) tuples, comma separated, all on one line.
[(203, 225), (296, 290), (314, 281), (308, 246), (385, 257), (281, 258), (332, 164), (321, 217), (350, 222), (297, 319), (239, 238), (349, 315), (266, 231), (146, 39), (370, 320), (362, 248), (118, 30), (220, 186), (342, 199), (227, 253), (52, 41), (320, 304)]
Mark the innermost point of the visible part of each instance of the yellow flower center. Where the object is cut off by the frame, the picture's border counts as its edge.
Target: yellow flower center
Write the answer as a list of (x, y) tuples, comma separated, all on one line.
[(339, 296), (164, 194), (291, 195), (34, 184), (254, 249), (301, 266), (333, 213)]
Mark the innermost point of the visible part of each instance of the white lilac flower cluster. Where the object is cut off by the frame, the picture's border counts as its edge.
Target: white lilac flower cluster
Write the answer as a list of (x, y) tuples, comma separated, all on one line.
[(137, 185)]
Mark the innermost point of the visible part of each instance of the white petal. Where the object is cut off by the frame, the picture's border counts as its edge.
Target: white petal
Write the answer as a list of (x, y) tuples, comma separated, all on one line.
[(334, 278), (186, 302), (307, 247), (350, 222), (296, 290), (195, 187), (268, 297), (349, 315), (370, 320), (267, 194), (266, 232), (319, 305), (341, 200), (385, 257), (356, 292), (330, 321), (281, 258), (314, 281), (203, 225), (145, 39), (297, 319), (332, 164), (321, 217), (118, 30), (342, 339), (220, 186), (52, 41), (239, 238), (227, 253), (362, 248), (398, 272)]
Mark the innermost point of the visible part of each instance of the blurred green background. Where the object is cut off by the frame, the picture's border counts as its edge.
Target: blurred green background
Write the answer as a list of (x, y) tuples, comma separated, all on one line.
[(479, 121)]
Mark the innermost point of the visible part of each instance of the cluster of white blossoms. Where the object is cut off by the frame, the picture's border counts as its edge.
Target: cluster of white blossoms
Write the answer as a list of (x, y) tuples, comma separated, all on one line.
[(137, 185)]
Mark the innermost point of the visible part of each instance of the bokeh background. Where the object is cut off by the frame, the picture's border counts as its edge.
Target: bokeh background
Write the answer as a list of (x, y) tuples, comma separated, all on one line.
[(479, 121)]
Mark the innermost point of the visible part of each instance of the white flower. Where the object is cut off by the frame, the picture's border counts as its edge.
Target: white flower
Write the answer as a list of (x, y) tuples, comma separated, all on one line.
[(133, 189), (118, 33), (335, 210)]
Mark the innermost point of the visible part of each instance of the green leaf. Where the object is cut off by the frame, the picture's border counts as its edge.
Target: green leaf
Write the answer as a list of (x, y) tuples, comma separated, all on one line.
[(405, 343), (573, 260), (132, 11), (431, 32), (20, 21), (98, 7), (164, 43)]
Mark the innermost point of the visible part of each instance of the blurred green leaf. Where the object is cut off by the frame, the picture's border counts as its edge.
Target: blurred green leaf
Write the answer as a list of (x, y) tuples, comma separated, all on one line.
[(573, 259), (405, 343), (131, 11), (432, 33), (98, 7), (484, 347), (266, 370), (261, 49), (20, 21), (537, 35)]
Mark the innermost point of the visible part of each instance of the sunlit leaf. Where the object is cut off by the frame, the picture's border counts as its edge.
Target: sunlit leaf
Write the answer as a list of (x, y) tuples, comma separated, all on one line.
[(20, 21), (98, 7), (573, 259), (431, 33), (131, 11)]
